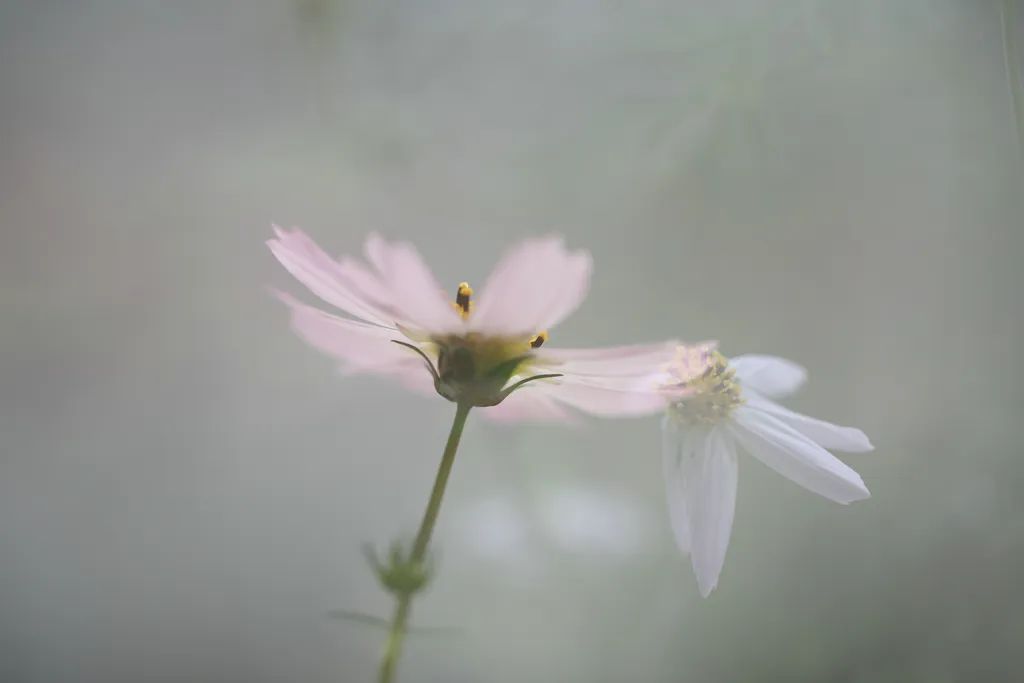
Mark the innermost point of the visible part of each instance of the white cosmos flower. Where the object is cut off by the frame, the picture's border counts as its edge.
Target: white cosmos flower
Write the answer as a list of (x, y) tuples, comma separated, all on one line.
[(476, 349), (728, 411)]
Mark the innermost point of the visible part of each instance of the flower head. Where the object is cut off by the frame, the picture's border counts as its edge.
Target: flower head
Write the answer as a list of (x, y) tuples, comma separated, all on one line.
[(728, 408), (489, 350)]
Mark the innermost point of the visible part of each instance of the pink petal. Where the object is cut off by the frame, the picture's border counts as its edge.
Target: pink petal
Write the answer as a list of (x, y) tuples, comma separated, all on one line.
[(613, 361), (414, 291), (412, 374), (321, 274), (534, 286), (607, 402), (366, 283), (377, 249), (643, 368), (528, 405), (358, 345), (614, 381)]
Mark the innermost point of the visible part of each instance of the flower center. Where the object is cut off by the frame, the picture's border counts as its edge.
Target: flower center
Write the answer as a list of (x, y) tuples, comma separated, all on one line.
[(464, 305), (475, 367), (715, 394)]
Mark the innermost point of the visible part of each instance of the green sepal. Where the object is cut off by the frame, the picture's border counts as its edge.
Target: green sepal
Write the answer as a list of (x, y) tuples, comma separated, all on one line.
[(399, 574)]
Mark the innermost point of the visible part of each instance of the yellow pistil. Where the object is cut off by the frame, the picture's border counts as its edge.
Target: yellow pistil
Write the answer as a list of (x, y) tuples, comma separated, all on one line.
[(463, 299), (538, 341), (715, 394)]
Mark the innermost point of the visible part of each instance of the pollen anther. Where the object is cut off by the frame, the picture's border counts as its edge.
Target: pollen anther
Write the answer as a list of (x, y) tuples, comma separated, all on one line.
[(463, 299), (538, 341), (715, 394)]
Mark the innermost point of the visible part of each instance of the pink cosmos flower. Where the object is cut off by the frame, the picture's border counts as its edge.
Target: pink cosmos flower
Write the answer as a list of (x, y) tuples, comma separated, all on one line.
[(467, 349)]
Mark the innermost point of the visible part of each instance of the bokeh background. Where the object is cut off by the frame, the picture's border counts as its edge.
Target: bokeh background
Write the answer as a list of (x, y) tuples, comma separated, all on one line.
[(185, 487)]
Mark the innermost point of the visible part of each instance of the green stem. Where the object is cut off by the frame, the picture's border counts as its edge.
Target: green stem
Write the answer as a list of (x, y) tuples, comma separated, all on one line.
[(399, 623)]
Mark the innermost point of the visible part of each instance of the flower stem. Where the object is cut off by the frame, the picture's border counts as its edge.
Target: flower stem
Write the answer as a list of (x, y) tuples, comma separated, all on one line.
[(399, 623)]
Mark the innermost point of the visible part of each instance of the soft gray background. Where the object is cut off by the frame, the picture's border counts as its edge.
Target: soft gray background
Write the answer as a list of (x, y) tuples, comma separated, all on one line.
[(185, 486)]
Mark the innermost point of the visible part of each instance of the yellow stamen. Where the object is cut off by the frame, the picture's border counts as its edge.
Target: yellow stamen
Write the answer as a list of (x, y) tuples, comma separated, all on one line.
[(539, 340), (715, 394), (463, 299)]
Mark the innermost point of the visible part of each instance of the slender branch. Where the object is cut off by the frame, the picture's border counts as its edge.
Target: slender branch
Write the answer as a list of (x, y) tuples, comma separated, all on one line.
[(393, 647), (399, 623)]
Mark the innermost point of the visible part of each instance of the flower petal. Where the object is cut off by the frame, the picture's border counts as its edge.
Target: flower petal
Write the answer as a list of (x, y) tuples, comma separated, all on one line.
[(825, 434), (796, 457), (614, 381), (534, 286), (321, 274), (412, 374), (605, 401), (709, 474), (672, 442), (770, 375), (612, 361), (414, 292), (528, 405), (361, 347)]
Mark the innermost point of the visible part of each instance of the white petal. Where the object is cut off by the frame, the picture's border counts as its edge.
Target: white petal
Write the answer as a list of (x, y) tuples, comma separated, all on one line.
[(671, 458), (709, 479), (825, 434), (533, 287), (796, 457), (769, 375)]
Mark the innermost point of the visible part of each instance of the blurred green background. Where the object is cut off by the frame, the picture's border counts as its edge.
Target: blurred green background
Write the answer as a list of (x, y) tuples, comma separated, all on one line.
[(184, 486)]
